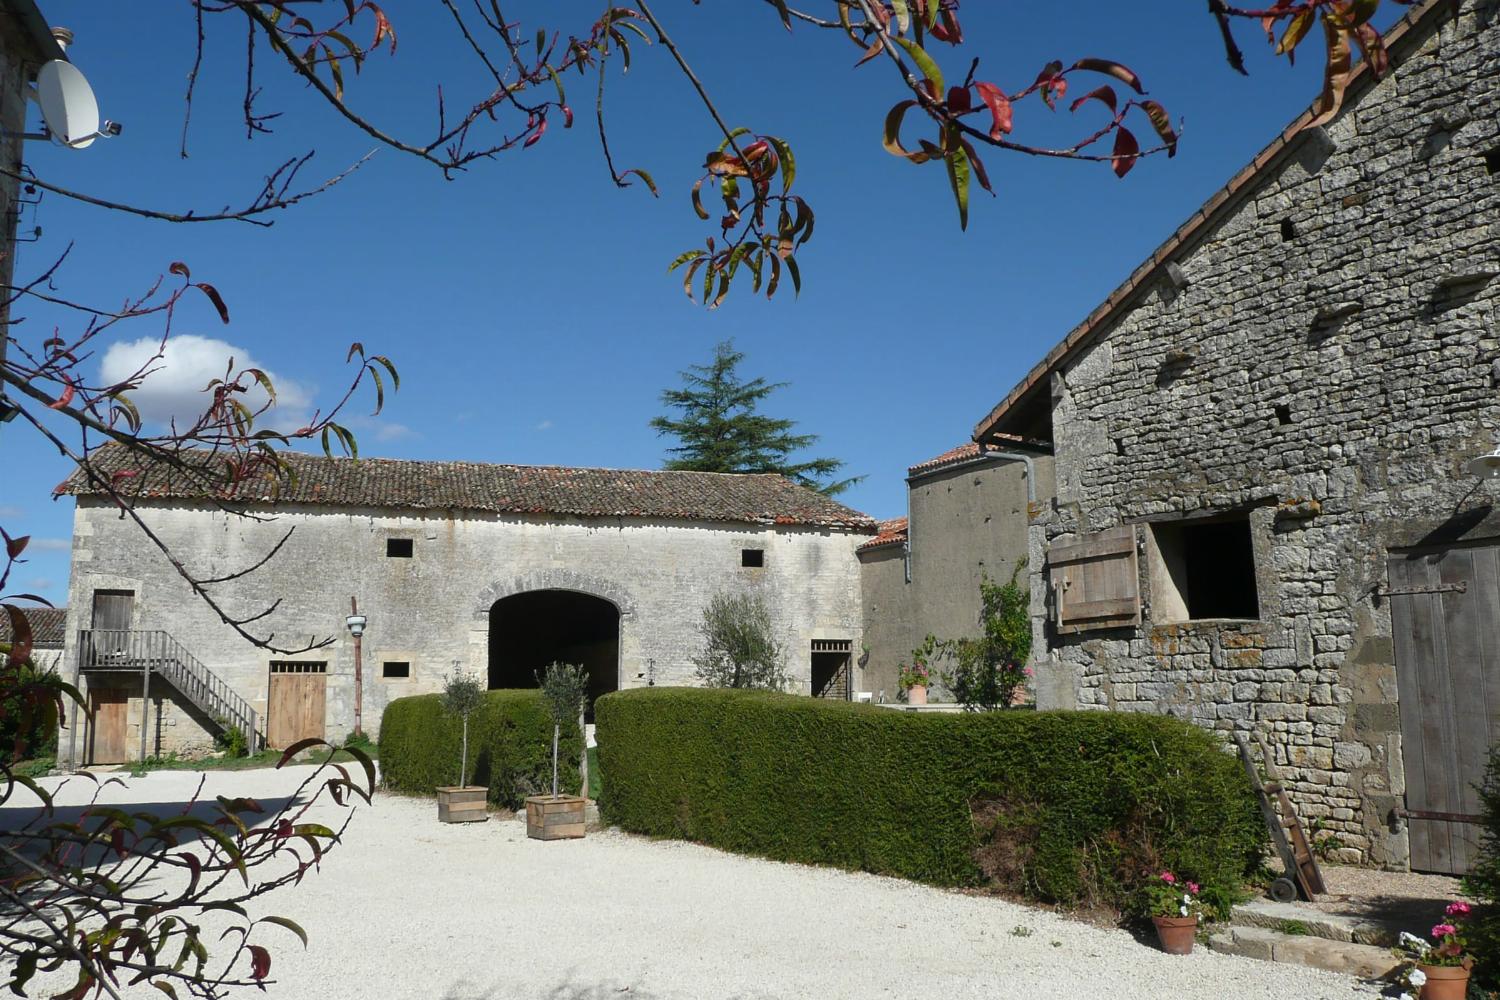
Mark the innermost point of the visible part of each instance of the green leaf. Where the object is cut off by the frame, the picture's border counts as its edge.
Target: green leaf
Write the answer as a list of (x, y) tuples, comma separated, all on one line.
[(925, 64), (289, 924), (958, 178), (733, 134), (788, 162), (903, 15), (683, 258)]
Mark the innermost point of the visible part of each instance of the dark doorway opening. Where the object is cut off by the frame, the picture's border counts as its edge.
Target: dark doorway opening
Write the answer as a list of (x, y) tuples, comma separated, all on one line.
[(529, 631), (831, 677)]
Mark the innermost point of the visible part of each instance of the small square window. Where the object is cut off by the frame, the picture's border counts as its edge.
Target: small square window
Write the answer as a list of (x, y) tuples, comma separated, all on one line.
[(752, 558), (398, 548), (395, 670), (1203, 570), (1492, 161)]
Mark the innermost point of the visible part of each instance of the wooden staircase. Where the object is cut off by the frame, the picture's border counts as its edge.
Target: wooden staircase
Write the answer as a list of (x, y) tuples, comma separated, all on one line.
[(151, 653)]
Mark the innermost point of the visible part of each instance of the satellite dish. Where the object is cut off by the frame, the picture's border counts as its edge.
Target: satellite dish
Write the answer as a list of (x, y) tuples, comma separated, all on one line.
[(68, 104), (1485, 466)]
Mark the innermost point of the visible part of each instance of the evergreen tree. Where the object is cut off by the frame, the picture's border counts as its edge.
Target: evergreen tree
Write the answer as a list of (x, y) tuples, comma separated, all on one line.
[(719, 429)]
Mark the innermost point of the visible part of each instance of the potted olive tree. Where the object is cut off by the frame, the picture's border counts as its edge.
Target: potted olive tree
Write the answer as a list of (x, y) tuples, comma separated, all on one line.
[(565, 688), (462, 803)]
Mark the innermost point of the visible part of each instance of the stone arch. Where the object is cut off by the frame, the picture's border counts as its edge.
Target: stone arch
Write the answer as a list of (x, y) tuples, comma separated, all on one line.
[(554, 579)]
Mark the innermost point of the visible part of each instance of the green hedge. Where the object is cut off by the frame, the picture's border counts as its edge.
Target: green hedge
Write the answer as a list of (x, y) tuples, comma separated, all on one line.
[(1483, 882), (510, 746), (1073, 807)]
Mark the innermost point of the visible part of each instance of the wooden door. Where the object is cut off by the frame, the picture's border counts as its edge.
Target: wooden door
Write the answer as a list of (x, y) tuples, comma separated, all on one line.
[(112, 613), (107, 725), (296, 704), (1445, 623)]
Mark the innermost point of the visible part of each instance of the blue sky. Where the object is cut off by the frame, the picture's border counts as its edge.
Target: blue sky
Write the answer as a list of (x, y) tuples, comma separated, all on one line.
[(527, 302)]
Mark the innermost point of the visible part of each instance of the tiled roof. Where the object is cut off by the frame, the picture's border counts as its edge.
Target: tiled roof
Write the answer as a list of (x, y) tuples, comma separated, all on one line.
[(964, 451), (762, 498), (891, 532), (48, 626), (1222, 201)]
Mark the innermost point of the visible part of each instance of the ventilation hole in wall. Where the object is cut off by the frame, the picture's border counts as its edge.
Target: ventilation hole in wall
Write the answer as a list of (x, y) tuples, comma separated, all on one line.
[(1288, 230), (395, 669), (1283, 414), (1492, 161), (398, 548), (752, 558), (1119, 446)]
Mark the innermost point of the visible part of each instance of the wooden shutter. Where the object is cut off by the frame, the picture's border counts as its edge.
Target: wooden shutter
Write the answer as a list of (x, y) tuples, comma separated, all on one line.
[(1095, 581)]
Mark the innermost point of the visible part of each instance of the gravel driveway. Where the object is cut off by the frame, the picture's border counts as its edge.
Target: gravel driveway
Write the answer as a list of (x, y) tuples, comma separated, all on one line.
[(410, 909)]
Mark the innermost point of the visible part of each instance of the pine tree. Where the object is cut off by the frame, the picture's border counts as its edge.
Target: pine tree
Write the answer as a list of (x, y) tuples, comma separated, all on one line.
[(719, 430)]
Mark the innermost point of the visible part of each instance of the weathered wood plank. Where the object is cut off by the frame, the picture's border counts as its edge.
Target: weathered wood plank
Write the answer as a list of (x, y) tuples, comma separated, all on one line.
[(1410, 653)]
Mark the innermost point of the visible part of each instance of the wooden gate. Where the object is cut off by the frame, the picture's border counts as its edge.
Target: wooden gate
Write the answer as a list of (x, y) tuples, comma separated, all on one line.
[(108, 727), (1445, 623), (296, 703)]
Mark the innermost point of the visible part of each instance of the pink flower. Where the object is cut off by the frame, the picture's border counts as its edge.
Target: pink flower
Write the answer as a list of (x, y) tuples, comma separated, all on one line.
[(1459, 910), (1443, 930), (1193, 888), (1028, 672), (1169, 878)]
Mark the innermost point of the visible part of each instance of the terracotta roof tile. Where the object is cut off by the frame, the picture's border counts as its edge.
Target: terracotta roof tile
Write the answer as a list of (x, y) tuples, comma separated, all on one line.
[(891, 532), (505, 489), (48, 626)]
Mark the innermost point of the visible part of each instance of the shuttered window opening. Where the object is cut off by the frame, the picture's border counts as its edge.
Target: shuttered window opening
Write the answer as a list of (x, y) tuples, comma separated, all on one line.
[(1202, 570), (1095, 581), (298, 667)]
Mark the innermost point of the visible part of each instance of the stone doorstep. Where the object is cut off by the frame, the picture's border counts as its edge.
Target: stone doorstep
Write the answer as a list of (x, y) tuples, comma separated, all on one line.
[(1271, 915), (1363, 960)]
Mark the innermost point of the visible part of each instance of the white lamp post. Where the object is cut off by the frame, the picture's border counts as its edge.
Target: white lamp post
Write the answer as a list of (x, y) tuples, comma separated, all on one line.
[(356, 623)]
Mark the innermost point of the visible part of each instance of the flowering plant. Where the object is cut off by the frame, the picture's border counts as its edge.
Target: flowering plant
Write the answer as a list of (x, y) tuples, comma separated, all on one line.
[(916, 675), (919, 673), (1444, 946), (1166, 895)]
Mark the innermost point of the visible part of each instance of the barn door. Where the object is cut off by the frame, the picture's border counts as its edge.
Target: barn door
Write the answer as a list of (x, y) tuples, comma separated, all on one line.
[(1445, 623), (296, 703), (107, 725), (111, 622), (1095, 581)]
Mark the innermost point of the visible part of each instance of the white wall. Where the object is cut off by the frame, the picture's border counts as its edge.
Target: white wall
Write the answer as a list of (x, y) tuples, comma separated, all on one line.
[(433, 609)]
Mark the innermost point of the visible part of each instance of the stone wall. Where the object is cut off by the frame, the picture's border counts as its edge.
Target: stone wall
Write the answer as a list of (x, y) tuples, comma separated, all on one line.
[(1328, 367), (432, 610), (966, 521)]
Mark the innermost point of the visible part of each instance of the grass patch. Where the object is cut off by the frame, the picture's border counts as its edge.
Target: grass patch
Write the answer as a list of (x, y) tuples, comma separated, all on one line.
[(250, 762)]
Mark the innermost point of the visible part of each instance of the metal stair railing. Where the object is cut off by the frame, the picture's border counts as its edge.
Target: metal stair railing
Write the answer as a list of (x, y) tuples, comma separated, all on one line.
[(156, 651)]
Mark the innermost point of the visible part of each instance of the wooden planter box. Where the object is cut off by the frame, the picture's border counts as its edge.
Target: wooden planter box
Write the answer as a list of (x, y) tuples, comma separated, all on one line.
[(462, 804), (554, 819)]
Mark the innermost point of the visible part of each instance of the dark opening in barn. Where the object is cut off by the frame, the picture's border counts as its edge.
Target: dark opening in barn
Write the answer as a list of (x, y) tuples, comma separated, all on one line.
[(530, 630)]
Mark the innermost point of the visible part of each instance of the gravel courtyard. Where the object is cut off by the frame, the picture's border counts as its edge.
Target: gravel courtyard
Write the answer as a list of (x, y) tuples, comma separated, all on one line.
[(410, 909)]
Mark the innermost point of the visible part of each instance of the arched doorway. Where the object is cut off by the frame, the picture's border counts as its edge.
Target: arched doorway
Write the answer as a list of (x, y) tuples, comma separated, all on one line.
[(532, 629)]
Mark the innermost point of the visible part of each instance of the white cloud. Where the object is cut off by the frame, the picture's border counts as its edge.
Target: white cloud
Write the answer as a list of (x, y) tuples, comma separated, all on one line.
[(40, 584), (392, 431), (10, 512), (50, 545), (545, 425), (174, 388)]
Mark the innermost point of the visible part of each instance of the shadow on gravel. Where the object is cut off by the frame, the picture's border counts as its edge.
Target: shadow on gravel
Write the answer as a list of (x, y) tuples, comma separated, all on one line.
[(563, 991)]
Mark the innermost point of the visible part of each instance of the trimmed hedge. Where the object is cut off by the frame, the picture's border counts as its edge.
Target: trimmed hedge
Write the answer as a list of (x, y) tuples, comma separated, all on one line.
[(1071, 807), (510, 747), (1482, 882)]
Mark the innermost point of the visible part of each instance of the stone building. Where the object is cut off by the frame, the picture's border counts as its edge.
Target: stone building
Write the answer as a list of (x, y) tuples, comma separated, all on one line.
[(967, 516), (48, 630), (491, 569), (1264, 517)]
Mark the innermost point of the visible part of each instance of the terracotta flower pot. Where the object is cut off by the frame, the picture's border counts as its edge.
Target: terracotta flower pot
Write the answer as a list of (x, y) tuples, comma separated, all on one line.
[(1176, 934), (1444, 982), (916, 694)]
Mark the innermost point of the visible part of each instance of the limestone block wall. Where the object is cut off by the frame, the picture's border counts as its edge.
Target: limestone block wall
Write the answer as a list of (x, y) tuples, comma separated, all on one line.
[(432, 610), (1330, 365)]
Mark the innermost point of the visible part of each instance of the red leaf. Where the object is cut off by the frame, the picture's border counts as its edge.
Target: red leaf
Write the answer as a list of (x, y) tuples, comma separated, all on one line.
[(15, 546), (260, 962), (532, 139), (178, 267), (64, 399), (215, 298), (567, 116), (20, 636), (1105, 94), (958, 100), (999, 105), (1126, 151)]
